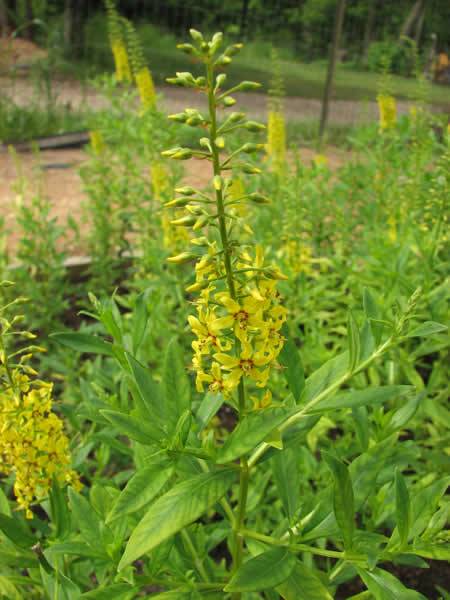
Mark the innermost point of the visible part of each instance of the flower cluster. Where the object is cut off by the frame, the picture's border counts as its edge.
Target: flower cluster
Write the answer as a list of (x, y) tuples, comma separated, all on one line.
[(236, 337), (141, 72), (276, 125), (33, 446), (239, 314), (387, 110), (118, 43)]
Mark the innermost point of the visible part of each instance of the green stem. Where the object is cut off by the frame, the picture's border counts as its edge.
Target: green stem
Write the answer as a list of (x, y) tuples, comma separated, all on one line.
[(293, 419), (239, 521), (193, 552)]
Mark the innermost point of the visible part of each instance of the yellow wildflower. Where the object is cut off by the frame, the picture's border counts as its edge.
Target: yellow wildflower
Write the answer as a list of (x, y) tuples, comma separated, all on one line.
[(245, 365), (276, 140), (33, 446), (97, 142), (146, 88), (123, 70), (388, 111)]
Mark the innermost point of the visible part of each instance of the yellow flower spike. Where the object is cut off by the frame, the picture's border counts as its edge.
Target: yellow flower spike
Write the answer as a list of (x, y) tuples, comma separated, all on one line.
[(97, 142), (276, 140), (387, 108), (146, 88), (123, 70)]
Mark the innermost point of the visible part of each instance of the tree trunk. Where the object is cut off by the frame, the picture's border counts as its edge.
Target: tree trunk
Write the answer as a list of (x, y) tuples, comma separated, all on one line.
[(368, 29), (28, 30), (334, 52), (419, 24), (3, 19), (244, 19), (411, 18)]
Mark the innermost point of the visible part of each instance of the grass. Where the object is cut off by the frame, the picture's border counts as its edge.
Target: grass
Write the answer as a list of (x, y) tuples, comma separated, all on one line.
[(21, 124)]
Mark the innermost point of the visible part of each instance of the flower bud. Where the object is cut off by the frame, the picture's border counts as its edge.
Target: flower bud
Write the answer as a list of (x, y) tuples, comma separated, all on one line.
[(182, 258), (187, 48), (186, 221), (250, 169), (196, 35), (201, 222), (222, 61), (254, 126), (219, 142), (179, 117), (228, 101), (196, 287), (250, 147), (177, 202), (235, 117), (258, 198), (201, 241), (182, 154), (186, 191), (220, 80), (217, 182), (248, 86), (233, 50)]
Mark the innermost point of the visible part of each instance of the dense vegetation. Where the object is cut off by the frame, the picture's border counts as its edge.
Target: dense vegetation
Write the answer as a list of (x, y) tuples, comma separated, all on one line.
[(245, 394)]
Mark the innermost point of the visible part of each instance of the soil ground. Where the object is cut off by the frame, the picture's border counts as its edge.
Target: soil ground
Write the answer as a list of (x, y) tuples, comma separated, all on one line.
[(56, 171)]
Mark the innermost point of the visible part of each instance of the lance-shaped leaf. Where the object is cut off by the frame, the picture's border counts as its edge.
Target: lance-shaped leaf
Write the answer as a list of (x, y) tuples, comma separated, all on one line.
[(132, 427), (290, 359), (116, 591), (385, 586), (427, 328), (343, 499), (354, 343), (252, 430), (402, 508), (371, 395), (286, 474), (303, 584), (179, 507), (83, 342), (149, 396), (141, 489), (176, 385), (263, 572), (328, 374)]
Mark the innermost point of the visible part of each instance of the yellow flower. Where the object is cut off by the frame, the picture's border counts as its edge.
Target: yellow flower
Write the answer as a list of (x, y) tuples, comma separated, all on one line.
[(33, 446), (214, 378), (123, 70), (207, 329), (245, 365), (276, 140), (146, 88), (97, 142), (388, 111), (241, 316)]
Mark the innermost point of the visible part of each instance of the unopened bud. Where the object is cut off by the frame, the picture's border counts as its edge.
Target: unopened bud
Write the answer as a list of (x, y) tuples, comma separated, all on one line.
[(258, 198), (186, 221), (196, 35), (186, 191), (254, 126), (179, 117), (229, 101), (217, 182), (184, 257), (201, 222), (177, 202), (251, 170), (248, 86)]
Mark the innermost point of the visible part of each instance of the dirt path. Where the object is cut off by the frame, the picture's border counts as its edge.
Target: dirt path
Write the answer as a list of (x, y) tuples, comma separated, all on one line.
[(76, 95), (55, 172)]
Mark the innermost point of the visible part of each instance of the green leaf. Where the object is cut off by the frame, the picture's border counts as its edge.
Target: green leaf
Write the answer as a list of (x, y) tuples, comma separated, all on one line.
[(402, 508), (121, 591), (406, 412), (286, 474), (145, 484), (208, 408), (323, 378), (149, 393), (83, 342), (263, 572), (372, 313), (354, 343), (289, 358), (59, 510), (427, 328), (140, 320), (16, 531), (303, 584), (250, 431), (59, 586), (343, 499), (371, 395), (87, 520), (74, 549), (176, 385), (385, 586), (179, 507), (134, 428)]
